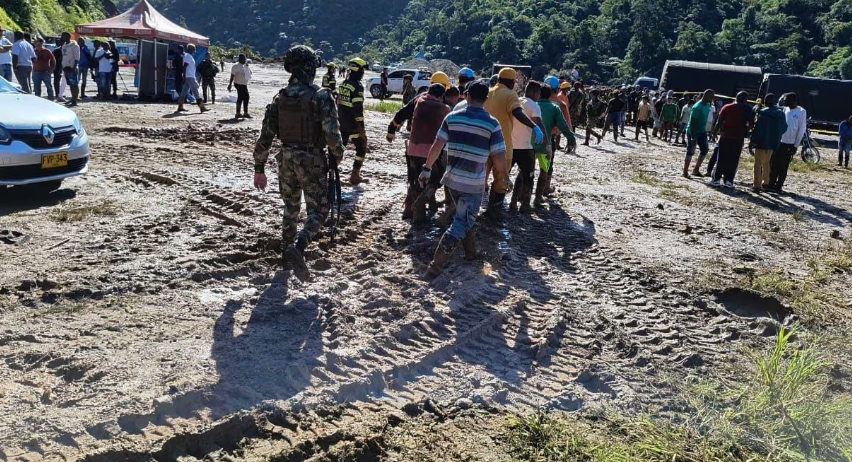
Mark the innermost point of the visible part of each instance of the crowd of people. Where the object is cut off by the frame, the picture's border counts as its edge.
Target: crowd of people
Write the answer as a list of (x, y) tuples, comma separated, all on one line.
[(68, 67)]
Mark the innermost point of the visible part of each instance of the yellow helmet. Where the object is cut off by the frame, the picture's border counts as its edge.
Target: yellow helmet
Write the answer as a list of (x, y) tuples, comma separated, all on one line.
[(508, 73), (440, 77), (356, 64), (331, 65)]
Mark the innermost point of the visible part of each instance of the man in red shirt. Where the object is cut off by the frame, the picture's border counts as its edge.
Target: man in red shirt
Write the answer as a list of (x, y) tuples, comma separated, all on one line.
[(43, 65), (733, 122)]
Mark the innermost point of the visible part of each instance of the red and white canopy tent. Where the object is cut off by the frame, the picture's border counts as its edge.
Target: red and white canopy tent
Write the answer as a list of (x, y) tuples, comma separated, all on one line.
[(142, 21), (145, 23)]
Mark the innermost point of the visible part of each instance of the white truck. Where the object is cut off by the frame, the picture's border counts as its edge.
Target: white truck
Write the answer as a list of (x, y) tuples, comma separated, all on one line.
[(420, 82)]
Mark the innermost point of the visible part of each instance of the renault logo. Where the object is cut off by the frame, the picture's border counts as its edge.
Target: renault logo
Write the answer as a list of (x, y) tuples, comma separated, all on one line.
[(48, 134)]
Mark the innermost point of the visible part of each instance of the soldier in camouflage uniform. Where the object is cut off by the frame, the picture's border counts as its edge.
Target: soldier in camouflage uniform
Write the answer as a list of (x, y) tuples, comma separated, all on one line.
[(304, 118)]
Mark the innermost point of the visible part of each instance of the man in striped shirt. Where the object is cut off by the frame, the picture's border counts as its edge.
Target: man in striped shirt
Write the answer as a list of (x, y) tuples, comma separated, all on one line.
[(471, 136)]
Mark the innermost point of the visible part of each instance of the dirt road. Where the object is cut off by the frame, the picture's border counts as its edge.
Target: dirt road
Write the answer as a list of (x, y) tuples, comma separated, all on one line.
[(143, 317)]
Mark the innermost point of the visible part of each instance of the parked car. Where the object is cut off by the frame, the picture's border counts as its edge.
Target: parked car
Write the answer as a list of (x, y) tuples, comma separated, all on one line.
[(377, 66), (647, 82), (421, 82), (41, 142)]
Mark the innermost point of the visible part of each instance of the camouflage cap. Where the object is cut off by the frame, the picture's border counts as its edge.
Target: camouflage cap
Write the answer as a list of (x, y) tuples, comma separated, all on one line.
[(300, 57)]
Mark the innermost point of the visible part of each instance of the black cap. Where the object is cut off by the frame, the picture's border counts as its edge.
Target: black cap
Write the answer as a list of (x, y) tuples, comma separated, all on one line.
[(478, 90)]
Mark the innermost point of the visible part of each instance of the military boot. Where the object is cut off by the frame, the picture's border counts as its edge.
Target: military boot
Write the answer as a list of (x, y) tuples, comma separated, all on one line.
[(295, 256), (469, 245), (442, 253)]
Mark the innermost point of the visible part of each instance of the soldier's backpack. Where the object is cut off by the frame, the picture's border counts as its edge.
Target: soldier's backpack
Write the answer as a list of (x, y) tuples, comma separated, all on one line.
[(299, 120)]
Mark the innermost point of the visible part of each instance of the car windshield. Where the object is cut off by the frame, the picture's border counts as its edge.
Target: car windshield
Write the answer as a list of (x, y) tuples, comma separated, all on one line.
[(6, 87)]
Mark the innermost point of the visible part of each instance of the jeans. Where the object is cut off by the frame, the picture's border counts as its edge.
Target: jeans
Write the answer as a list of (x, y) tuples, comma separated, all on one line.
[(83, 77), (42, 77), (730, 150), (103, 84), (71, 77), (614, 120), (190, 86), (467, 206), (23, 74), (780, 164), (700, 140), (6, 71)]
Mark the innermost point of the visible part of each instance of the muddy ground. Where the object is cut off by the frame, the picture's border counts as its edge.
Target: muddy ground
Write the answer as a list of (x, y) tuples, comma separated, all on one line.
[(142, 317)]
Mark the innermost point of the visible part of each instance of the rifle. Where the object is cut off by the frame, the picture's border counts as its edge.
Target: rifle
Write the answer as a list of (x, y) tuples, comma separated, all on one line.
[(334, 191)]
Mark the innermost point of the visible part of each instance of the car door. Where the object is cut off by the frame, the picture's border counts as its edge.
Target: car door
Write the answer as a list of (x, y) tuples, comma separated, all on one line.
[(423, 78), (395, 81)]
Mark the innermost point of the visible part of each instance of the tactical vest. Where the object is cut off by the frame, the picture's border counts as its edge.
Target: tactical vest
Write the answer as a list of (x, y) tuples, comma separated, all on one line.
[(299, 120)]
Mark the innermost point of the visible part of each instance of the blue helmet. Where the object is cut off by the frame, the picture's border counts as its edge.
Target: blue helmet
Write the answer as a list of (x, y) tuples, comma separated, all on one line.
[(552, 81), (467, 72)]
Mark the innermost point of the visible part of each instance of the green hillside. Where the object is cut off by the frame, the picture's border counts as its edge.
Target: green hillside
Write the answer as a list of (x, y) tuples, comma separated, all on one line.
[(50, 17), (613, 40)]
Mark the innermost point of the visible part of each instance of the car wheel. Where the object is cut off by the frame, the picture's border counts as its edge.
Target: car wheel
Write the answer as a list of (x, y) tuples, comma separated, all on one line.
[(47, 187), (376, 91)]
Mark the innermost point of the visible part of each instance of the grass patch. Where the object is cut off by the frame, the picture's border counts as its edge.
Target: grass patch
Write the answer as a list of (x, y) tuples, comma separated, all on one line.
[(385, 107), (69, 214), (798, 216), (801, 166), (840, 261), (63, 306), (647, 178), (783, 412)]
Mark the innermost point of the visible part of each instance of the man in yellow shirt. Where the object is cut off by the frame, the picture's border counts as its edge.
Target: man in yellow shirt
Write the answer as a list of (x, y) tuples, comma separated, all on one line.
[(504, 105)]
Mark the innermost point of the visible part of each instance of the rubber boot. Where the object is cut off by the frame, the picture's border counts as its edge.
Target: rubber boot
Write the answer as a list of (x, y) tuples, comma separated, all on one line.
[(686, 168), (526, 197), (355, 178), (202, 107), (418, 207), (539, 188), (409, 199), (516, 191), (442, 253), (495, 206), (180, 107), (469, 245), (548, 190)]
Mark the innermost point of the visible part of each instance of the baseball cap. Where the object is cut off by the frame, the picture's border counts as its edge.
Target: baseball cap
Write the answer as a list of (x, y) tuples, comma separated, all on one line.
[(478, 90)]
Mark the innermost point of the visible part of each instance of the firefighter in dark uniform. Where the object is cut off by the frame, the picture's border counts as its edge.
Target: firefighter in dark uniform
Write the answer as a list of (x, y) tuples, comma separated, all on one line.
[(350, 103), (329, 80), (304, 118)]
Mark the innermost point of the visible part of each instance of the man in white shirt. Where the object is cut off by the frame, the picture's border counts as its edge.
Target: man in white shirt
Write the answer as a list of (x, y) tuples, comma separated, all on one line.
[(190, 83), (797, 125), (240, 77), (575, 74), (22, 61), (5, 57), (70, 60), (523, 150)]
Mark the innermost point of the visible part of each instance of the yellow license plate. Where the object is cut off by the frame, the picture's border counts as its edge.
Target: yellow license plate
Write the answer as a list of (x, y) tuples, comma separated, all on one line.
[(56, 159)]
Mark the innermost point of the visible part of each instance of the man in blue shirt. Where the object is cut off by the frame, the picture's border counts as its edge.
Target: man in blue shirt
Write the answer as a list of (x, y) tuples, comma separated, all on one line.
[(84, 65), (845, 141), (471, 137)]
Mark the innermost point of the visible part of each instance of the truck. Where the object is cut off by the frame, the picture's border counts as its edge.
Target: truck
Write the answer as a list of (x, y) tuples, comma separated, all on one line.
[(825, 100), (420, 81), (726, 80)]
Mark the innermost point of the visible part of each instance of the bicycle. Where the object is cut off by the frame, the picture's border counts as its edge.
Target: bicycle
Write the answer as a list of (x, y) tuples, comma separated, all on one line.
[(810, 152)]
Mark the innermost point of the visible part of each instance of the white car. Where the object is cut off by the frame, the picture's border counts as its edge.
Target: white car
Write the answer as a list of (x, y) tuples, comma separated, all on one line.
[(41, 142), (421, 82)]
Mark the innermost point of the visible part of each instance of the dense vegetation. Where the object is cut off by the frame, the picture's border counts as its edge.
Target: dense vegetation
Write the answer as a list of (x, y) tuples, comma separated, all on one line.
[(50, 17), (613, 40)]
